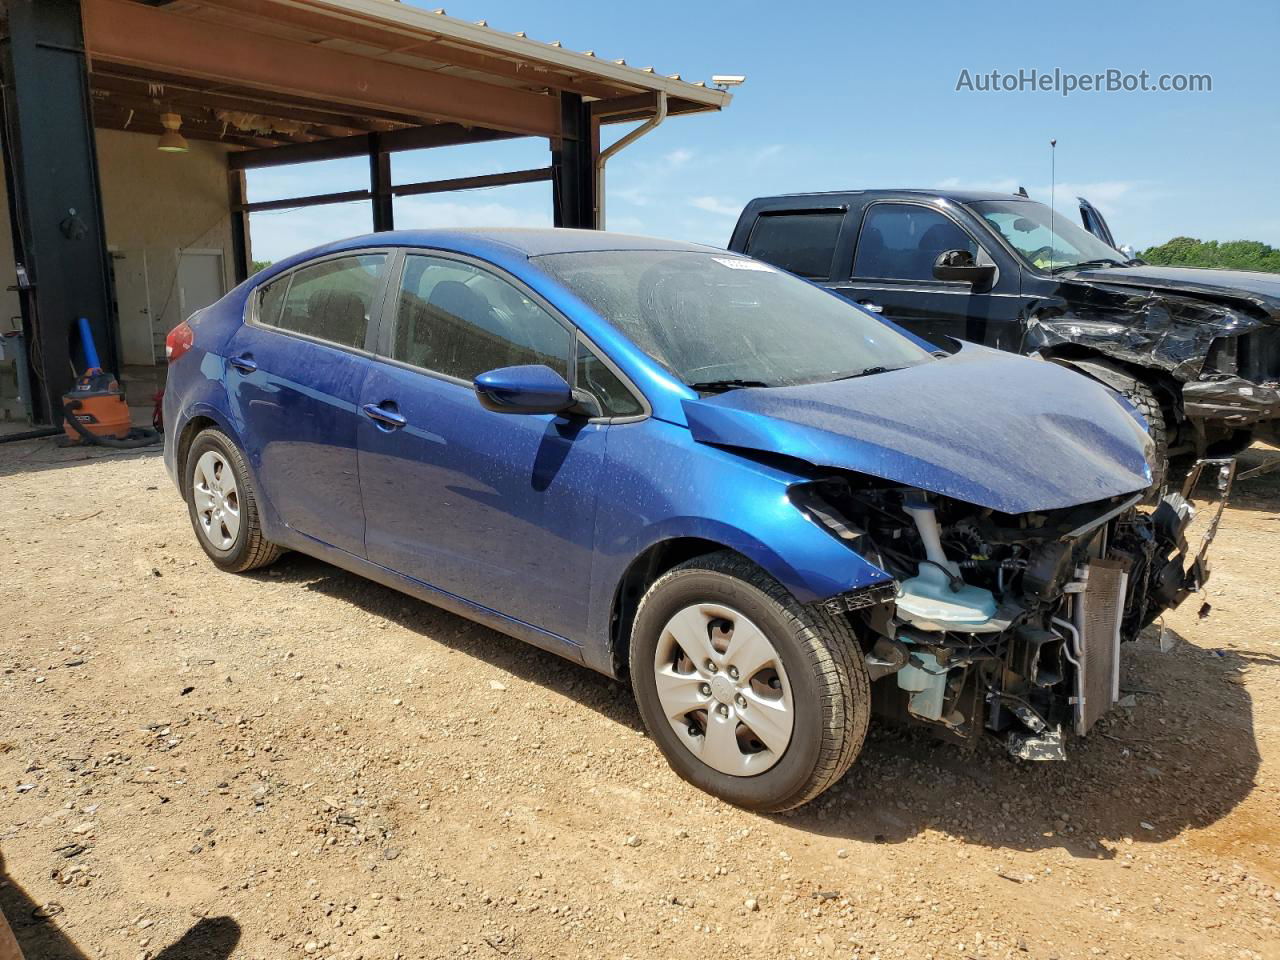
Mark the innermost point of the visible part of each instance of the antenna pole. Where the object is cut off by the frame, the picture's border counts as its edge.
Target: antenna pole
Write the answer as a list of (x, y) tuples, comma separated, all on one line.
[(1053, 183)]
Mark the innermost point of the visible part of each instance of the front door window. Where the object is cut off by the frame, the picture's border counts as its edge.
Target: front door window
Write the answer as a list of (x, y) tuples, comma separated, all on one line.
[(901, 241), (459, 320)]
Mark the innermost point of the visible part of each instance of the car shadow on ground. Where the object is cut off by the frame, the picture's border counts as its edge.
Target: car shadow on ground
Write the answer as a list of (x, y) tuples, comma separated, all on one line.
[(1141, 774), (1182, 757), (38, 456), (608, 697), (36, 929)]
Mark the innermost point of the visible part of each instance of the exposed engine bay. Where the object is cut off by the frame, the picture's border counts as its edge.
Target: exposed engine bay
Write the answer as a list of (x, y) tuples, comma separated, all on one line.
[(1009, 624)]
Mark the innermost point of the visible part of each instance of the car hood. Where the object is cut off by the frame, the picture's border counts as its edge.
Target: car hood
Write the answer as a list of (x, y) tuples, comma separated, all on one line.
[(989, 428), (1260, 289)]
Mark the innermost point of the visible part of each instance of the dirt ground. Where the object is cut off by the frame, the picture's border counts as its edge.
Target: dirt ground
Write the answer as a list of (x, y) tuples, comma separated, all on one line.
[(299, 763)]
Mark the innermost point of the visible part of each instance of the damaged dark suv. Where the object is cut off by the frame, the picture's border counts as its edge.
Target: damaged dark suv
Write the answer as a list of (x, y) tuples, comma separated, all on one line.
[(1196, 350)]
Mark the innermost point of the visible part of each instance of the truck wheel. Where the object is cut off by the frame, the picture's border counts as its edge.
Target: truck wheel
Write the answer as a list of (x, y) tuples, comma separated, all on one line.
[(1148, 404), (224, 506), (1144, 398), (751, 696)]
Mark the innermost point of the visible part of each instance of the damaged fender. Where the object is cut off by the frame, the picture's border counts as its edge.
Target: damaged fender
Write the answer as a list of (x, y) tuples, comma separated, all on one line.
[(1161, 330)]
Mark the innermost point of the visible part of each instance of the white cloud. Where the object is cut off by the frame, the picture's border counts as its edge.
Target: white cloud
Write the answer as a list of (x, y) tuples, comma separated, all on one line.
[(277, 235), (716, 206), (637, 196), (639, 183), (765, 154), (1100, 192), (418, 213)]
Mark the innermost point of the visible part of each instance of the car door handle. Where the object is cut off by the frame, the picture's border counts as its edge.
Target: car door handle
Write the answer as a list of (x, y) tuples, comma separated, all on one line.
[(245, 364), (873, 307), (384, 418)]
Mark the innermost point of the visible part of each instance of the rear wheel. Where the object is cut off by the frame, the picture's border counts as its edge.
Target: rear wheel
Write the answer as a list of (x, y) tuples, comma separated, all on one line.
[(751, 695), (224, 506)]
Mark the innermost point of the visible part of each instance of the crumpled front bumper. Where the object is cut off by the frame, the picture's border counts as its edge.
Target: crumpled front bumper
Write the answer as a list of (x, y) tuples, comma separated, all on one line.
[(1232, 401)]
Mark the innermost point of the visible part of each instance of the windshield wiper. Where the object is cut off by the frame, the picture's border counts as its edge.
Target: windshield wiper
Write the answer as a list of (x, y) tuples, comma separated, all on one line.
[(865, 372), (718, 386), (1100, 262)]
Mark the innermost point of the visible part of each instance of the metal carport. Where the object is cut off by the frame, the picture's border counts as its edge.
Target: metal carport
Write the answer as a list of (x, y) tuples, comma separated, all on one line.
[(273, 82)]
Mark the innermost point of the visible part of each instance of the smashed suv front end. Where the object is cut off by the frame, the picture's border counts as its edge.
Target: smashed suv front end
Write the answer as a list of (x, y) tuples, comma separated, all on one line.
[(1010, 624)]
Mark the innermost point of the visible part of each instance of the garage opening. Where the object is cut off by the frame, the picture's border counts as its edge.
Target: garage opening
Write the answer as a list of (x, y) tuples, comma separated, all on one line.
[(151, 146)]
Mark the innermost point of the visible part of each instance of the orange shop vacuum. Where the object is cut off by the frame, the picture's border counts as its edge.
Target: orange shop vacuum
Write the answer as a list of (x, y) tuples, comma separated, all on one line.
[(95, 411)]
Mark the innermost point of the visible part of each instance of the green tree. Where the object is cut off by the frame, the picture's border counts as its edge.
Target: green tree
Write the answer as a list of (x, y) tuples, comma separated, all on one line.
[(260, 265), (1231, 255)]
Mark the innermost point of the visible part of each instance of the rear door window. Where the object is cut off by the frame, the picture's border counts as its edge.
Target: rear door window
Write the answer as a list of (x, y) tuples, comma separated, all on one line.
[(901, 241), (460, 320), (801, 242), (331, 300)]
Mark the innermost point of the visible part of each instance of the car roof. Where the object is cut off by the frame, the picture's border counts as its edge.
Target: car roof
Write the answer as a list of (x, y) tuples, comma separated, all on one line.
[(956, 196), (517, 241)]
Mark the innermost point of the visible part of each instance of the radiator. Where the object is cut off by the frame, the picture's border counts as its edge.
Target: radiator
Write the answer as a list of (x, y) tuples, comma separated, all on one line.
[(1099, 609)]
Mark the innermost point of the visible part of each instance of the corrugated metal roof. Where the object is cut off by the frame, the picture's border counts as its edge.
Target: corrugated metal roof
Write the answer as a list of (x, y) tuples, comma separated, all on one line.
[(430, 39)]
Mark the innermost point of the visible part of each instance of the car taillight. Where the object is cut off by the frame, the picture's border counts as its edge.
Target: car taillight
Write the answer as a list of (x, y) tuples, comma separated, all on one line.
[(178, 341)]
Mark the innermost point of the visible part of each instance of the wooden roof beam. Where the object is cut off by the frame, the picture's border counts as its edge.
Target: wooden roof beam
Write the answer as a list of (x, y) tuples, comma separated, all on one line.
[(184, 98), (416, 138), (116, 119), (127, 33)]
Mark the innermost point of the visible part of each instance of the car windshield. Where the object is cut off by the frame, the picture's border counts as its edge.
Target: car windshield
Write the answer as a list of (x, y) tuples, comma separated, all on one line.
[(719, 321), (1025, 225)]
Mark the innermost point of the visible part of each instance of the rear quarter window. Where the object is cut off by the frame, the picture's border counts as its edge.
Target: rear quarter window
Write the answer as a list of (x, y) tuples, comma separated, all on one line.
[(801, 242)]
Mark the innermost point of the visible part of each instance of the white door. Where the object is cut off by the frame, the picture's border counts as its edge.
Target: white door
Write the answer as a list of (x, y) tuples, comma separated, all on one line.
[(133, 307), (199, 280)]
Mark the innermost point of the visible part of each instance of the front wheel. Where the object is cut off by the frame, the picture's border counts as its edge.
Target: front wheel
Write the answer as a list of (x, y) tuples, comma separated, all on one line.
[(1148, 404), (750, 695), (1144, 398)]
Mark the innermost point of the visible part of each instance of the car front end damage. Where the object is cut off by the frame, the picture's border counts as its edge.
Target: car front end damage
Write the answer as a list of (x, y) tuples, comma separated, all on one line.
[(1009, 624)]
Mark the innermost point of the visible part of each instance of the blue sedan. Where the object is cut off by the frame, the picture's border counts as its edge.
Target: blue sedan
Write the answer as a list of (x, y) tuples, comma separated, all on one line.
[(769, 509)]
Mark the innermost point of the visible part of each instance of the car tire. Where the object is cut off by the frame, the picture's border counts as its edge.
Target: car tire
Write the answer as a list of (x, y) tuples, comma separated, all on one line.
[(817, 673), (223, 505)]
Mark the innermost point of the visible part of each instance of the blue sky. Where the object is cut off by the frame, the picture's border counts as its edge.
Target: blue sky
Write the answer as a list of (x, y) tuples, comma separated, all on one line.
[(847, 95)]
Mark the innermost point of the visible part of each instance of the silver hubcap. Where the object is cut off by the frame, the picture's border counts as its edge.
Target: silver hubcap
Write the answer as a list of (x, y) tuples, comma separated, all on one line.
[(723, 689), (213, 485)]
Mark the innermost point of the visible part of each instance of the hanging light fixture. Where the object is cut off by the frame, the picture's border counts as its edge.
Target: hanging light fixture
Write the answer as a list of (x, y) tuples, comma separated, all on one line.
[(171, 141)]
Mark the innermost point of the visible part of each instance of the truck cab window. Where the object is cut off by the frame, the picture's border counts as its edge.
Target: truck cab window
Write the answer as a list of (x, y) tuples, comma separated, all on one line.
[(901, 241), (802, 243)]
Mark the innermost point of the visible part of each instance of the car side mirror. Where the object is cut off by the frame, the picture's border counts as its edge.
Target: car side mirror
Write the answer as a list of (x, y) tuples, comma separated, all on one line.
[(531, 388), (960, 267)]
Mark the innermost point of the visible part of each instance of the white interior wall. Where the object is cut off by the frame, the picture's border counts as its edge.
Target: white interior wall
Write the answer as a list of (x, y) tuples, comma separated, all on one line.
[(153, 202), (161, 204)]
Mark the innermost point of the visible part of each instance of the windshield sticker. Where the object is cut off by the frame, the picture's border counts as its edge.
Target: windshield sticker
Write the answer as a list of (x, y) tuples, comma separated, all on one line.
[(739, 264)]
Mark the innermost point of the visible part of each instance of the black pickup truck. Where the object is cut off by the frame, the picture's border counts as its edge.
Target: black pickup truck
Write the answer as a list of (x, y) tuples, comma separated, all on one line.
[(1197, 351)]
